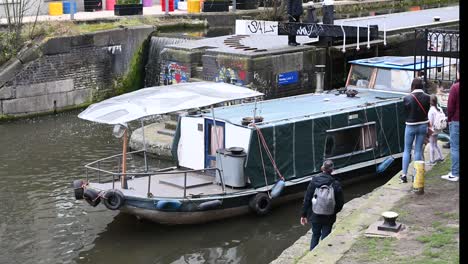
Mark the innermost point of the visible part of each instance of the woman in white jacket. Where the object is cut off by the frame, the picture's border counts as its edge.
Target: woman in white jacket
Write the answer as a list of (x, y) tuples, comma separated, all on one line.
[(433, 147)]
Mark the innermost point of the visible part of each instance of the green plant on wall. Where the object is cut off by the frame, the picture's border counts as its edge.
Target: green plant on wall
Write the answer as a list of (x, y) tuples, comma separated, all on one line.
[(135, 77), (128, 2)]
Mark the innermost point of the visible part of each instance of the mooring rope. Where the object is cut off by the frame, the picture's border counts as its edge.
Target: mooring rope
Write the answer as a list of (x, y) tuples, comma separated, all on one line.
[(265, 146)]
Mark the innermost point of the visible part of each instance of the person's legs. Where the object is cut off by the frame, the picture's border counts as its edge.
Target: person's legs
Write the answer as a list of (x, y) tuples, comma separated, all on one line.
[(455, 147), (438, 151), (432, 148), (409, 138), (291, 38), (326, 230), (316, 233), (420, 134)]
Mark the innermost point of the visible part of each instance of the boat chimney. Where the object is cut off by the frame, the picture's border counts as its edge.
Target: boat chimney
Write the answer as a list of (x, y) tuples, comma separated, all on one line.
[(319, 78)]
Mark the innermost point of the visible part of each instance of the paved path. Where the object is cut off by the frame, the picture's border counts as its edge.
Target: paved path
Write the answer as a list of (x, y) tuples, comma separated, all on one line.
[(352, 222), (104, 14)]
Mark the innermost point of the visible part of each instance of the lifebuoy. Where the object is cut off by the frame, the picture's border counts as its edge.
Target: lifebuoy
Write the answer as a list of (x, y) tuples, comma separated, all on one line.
[(92, 197), (260, 204), (113, 199), (78, 189)]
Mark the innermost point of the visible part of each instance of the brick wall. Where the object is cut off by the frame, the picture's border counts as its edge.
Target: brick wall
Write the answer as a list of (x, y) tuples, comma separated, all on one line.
[(70, 71)]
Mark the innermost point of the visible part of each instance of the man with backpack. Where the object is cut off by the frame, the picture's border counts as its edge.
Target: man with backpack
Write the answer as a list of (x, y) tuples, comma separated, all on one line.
[(322, 201)]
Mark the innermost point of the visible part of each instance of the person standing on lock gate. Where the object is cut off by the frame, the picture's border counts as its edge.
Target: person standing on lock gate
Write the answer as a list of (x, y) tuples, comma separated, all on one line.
[(322, 201), (294, 15), (417, 105), (453, 119)]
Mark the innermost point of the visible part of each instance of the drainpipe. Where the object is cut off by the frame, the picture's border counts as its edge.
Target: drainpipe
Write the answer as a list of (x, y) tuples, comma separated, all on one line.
[(319, 78)]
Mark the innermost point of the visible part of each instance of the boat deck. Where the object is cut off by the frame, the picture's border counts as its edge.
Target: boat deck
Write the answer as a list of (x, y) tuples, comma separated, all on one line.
[(169, 186)]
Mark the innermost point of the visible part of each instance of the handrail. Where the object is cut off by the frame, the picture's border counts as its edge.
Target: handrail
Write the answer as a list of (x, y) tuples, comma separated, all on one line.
[(149, 174), (113, 156)]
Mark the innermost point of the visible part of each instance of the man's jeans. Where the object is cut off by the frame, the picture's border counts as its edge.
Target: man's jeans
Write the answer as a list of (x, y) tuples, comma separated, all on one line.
[(454, 128), (413, 133), (319, 231)]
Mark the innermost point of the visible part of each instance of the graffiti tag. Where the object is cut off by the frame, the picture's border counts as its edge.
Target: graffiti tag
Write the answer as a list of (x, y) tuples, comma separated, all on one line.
[(261, 27), (256, 27)]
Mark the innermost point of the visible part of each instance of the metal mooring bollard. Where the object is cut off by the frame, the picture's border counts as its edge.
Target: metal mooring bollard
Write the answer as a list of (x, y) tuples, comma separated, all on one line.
[(418, 183)]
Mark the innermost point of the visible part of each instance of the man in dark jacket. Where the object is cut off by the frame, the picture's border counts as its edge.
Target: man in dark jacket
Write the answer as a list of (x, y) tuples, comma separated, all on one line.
[(294, 14), (321, 224)]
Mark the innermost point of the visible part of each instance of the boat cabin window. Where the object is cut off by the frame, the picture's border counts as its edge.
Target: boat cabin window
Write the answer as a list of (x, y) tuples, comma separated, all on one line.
[(393, 80), (360, 76), (350, 140)]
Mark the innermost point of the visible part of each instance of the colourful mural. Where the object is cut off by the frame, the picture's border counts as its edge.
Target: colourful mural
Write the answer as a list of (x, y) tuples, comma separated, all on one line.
[(175, 73), (230, 75)]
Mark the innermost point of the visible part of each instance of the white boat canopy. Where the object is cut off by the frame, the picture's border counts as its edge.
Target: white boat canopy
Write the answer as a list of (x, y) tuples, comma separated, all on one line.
[(162, 100)]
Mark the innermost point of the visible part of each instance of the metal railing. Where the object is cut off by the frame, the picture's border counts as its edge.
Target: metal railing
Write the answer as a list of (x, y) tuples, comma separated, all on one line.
[(96, 167), (441, 46)]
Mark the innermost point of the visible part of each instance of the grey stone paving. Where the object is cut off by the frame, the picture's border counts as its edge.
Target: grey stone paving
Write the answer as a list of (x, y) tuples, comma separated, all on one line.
[(270, 43), (262, 43), (405, 19)]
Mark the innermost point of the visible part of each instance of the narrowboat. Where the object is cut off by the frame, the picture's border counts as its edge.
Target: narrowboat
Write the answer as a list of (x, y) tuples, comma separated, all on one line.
[(246, 157)]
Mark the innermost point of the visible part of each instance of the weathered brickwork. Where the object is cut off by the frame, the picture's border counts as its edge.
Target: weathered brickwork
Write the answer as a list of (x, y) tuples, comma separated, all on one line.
[(70, 71)]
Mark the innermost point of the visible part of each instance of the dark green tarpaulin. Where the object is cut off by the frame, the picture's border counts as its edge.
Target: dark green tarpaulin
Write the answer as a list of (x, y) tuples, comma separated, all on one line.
[(298, 147)]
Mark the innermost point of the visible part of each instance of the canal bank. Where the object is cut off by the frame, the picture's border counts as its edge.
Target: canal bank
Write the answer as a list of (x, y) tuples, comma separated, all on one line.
[(430, 226)]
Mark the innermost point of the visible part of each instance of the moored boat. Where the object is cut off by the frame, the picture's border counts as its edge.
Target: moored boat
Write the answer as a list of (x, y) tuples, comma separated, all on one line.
[(244, 157)]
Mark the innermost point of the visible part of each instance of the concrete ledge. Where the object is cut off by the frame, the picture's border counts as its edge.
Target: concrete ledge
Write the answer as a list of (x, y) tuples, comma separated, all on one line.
[(30, 54), (157, 144), (45, 103), (10, 70), (37, 89), (57, 46)]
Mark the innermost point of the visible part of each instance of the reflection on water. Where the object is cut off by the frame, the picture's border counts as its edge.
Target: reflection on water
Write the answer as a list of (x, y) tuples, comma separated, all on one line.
[(40, 221)]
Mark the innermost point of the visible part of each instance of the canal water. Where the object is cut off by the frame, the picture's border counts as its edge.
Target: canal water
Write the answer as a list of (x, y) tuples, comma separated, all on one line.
[(41, 222)]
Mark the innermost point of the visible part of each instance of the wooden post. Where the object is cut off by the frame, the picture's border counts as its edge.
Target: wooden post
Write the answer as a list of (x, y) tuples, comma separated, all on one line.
[(123, 178)]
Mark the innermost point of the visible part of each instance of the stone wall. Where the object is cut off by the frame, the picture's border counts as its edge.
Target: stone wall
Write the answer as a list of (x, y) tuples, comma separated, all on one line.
[(68, 71), (262, 72)]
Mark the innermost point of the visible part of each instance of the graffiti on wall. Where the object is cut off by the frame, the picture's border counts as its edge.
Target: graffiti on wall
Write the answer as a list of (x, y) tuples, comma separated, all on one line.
[(230, 75), (175, 73)]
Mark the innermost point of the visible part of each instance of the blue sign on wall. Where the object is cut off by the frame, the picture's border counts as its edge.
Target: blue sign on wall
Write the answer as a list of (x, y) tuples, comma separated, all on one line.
[(288, 78)]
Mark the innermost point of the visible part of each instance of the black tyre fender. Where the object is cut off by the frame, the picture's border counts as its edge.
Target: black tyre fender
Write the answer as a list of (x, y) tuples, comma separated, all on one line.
[(78, 189), (114, 199), (260, 204), (92, 197)]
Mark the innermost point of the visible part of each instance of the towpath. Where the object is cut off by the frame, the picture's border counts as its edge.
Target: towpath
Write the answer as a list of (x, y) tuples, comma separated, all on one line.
[(430, 232), (156, 10)]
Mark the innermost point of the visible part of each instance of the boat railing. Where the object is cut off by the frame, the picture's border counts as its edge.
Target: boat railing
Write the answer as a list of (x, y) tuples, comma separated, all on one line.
[(104, 175)]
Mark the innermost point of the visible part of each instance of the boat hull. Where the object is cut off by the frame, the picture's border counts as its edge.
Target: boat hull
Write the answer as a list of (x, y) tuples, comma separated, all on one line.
[(189, 213)]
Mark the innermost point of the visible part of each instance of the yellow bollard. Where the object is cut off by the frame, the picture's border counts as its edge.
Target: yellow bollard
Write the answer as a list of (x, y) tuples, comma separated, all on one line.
[(418, 184)]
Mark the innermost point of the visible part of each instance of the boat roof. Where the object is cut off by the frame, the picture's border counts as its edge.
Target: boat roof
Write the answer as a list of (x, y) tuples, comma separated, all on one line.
[(308, 106), (399, 62), (162, 100)]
